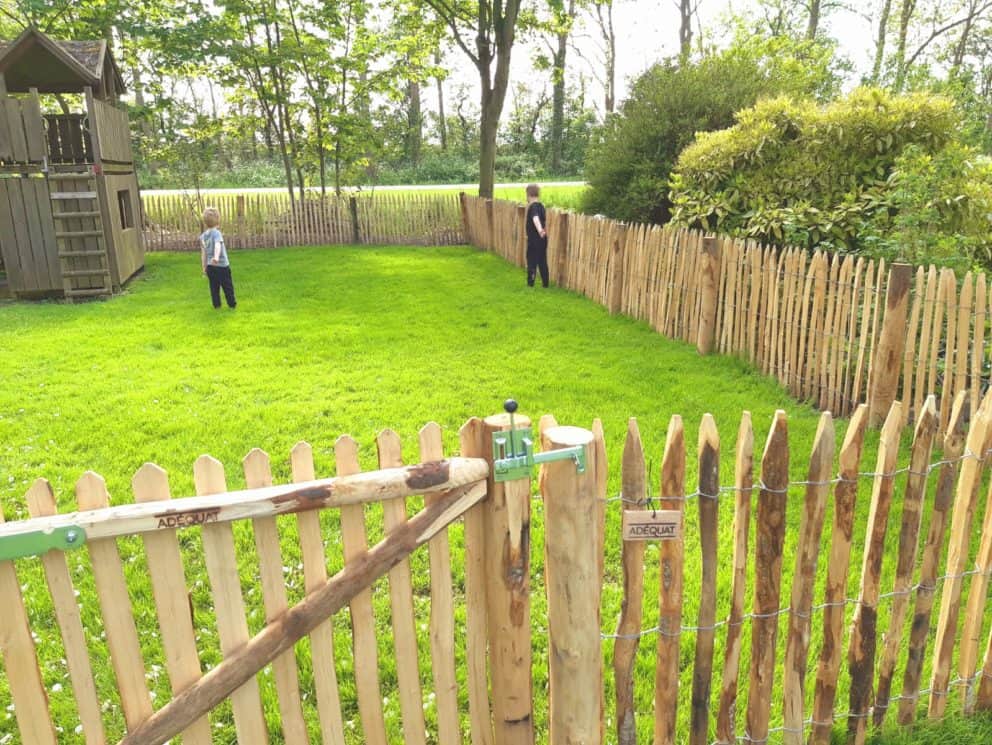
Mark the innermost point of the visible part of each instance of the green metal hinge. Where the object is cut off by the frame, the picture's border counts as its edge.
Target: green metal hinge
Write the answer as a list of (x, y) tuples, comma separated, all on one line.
[(514, 456), (38, 542)]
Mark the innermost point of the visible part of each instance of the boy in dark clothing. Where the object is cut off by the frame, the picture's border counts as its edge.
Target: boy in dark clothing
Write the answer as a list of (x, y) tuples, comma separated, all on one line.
[(537, 237), (213, 259)]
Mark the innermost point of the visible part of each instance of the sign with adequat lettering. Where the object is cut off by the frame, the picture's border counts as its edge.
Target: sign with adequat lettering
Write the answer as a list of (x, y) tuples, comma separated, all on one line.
[(652, 525)]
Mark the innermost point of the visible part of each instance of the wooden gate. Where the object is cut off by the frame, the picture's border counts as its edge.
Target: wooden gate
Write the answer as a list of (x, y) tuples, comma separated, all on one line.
[(155, 607)]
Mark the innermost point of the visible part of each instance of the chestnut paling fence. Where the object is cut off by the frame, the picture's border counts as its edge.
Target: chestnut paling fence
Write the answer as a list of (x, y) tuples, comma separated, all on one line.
[(171, 222), (836, 330), (784, 647)]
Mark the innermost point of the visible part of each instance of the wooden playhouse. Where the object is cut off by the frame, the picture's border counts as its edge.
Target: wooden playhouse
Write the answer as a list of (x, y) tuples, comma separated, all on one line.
[(69, 203)]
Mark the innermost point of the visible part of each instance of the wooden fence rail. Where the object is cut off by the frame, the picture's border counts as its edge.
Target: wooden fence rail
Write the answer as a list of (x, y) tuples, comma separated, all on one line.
[(268, 220), (710, 647), (836, 330)]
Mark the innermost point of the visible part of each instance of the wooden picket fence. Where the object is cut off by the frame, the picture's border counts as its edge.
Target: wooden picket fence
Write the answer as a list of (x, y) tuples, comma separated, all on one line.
[(836, 330), (267, 220), (480, 611)]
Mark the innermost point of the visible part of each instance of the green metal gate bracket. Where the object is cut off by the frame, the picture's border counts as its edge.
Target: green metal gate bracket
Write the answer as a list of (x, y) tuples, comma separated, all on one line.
[(38, 542), (514, 456)]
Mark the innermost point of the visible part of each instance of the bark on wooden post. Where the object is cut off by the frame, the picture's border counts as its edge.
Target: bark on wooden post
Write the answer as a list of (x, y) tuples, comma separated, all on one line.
[(466, 224), (241, 220), (572, 569), (770, 523), (356, 234), (633, 489), (507, 526), (617, 278), (861, 652), (804, 580), (561, 249), (520, 254), (490, 225), (743, 485), (708, 282), (709, 493), (886, 358)]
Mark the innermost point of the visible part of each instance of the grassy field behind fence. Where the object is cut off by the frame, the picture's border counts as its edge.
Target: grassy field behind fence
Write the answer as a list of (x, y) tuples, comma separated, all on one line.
[(348, 340)]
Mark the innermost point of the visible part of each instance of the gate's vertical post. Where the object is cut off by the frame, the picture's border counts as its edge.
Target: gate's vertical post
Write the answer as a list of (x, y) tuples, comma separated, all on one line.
[(886, 358), (240, 209), (507, 564), (561, 248), (709, 282), (491, 225), (572, 569), (356, 232), (617, 274)]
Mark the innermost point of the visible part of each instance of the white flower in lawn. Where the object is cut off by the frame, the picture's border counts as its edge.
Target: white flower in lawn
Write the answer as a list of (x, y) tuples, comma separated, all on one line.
[(57, 688)]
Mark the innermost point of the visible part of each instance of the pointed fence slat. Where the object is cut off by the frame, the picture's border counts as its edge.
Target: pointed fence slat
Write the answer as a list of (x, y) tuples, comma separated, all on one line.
[(21, 663), (471, 438), (804, 580), (115, 606), (909, 535), (442, 623), (634, 491), (709, 494), (41, 503), (354, 542), (401, 601), (770, 523), (314, 577), (168, 578), (229, 605), (953, 448), (743, 484), (962, 516), (670, 556), (258, 474)]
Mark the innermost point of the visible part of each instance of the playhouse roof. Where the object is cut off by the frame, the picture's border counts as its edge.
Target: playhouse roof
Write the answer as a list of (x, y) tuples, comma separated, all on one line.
[(35, 60)]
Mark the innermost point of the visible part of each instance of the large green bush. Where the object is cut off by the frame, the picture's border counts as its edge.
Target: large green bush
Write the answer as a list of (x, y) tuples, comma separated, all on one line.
[(872, 172), (629, 163)]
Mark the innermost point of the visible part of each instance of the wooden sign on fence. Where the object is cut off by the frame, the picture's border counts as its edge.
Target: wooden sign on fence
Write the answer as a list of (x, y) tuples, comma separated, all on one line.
[(652, 525)]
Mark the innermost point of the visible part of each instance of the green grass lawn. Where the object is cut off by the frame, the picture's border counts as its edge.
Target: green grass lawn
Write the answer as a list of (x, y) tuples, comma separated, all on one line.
[(354, 340)]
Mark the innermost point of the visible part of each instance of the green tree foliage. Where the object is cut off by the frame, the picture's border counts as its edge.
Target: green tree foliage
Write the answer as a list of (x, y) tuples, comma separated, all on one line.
[(872, 172), (632, 155)]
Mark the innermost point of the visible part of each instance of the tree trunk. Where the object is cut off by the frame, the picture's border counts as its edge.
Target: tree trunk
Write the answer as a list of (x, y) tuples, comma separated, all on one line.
[(814, 19), (558, 103), (611, 60), (905, 16), (685, 30), (489, 126), (883, 29), (962, 46), (442, 122), (415, 123)]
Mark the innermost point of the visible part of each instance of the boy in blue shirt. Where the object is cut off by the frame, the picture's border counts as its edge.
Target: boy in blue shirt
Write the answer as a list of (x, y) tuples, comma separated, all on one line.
[(213, 256)]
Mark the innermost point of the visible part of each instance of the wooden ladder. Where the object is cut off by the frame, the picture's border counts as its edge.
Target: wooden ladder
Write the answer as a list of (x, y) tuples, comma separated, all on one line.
[(79, 234)]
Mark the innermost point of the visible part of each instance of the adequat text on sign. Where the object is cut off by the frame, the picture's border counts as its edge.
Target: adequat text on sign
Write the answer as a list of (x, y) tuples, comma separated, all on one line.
[(652, 525)]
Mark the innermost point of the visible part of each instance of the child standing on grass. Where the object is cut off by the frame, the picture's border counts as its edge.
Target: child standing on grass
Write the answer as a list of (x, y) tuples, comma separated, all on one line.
[(214, 259), (537, 236)]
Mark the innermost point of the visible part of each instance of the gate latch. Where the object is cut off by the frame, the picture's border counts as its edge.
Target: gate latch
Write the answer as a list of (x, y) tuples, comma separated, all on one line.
[(38, 542), (513, 451)]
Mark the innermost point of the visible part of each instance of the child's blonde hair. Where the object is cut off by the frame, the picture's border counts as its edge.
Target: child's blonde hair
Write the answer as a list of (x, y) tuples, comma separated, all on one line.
[(533, 190), (211, 217)]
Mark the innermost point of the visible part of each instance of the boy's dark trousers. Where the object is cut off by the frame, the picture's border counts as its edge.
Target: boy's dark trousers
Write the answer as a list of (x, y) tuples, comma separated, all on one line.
[(220, 277), (537, 259)]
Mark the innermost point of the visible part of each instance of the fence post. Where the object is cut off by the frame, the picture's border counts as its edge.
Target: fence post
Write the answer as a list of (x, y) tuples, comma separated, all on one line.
[(572, 570), (356, 235), (507, 573), (491, 223), (616, 270), (466, 228), (241, 220), (886, 358), (521, 250), (709, 281), (561, 248)]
